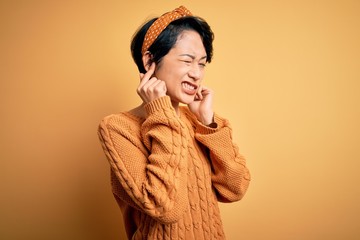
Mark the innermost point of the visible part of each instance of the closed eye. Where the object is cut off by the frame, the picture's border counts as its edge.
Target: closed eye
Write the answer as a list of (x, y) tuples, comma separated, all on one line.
[(186, 61)]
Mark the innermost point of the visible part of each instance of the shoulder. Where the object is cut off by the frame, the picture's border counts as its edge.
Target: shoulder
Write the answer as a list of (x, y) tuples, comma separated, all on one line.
[(123, 122), (118, 130)]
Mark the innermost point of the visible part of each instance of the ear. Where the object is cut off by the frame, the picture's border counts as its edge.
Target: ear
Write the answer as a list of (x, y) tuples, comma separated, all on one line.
[(147, 60)]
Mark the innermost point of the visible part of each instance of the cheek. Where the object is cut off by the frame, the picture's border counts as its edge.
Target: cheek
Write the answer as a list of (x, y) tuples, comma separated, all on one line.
[(202, 76), (164, 70)]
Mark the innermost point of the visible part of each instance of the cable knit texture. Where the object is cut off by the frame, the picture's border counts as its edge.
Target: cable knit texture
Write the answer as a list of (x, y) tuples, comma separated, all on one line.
[(168, 172)]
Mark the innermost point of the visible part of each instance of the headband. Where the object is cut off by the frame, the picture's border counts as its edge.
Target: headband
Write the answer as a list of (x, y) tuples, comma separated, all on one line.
[(160, 24)]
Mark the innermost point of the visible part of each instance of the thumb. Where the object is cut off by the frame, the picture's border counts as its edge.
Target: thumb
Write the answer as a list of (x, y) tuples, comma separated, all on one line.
[(141, 75)]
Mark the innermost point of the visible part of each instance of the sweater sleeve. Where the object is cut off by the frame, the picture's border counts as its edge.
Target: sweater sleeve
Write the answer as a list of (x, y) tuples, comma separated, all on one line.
[(230, 176), (151, 167)]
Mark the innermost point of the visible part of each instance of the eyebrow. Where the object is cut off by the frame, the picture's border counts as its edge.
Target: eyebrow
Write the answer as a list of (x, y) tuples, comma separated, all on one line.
[(192, 56)]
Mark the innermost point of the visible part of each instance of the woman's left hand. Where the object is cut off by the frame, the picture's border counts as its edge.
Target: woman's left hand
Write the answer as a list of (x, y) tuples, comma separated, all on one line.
[(202, 106)]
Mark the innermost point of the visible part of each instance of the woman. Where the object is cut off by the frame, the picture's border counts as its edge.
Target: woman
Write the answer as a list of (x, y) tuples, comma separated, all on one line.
[(171, 164)]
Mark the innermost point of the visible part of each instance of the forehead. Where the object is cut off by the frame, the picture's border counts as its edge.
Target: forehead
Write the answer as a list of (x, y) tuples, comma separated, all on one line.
[(189, 42)]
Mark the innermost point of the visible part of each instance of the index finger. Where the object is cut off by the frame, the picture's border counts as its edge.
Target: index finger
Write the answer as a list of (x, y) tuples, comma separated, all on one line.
[(149, 73)]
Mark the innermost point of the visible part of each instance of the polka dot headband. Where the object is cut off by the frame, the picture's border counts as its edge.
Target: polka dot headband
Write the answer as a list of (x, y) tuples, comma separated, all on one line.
[(160, 24)]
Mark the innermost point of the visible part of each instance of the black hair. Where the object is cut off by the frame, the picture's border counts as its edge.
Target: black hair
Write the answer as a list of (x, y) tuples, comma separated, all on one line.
[(167, 39)]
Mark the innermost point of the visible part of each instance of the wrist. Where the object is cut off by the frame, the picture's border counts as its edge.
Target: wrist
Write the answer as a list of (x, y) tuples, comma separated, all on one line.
[(208, 120)]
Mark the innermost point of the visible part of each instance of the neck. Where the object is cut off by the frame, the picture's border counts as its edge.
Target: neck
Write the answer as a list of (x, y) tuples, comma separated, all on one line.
[(176, 107)]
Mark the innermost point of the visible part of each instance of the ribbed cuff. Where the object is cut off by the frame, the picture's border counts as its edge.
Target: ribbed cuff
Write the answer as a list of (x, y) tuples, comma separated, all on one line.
[(158, 104), (204, 129)]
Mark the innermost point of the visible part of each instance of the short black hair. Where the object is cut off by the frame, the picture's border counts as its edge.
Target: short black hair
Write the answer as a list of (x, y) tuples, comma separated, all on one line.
[(167, 39)]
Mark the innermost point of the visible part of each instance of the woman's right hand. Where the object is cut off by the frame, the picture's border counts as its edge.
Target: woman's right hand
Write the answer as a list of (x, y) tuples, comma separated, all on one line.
[(150, 88)]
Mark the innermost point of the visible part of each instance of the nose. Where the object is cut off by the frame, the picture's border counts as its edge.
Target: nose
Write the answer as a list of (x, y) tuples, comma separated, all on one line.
[(195, 72)]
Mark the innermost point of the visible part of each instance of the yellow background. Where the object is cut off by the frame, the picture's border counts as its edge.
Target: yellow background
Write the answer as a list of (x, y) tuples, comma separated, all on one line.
[(285, 73)]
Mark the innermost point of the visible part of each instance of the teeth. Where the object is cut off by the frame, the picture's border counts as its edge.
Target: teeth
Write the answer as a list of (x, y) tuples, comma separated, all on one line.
[(188, 86)]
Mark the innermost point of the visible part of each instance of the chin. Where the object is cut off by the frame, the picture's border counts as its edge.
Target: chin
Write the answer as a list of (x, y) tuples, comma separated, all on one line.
[(187, 100), (182, 99)]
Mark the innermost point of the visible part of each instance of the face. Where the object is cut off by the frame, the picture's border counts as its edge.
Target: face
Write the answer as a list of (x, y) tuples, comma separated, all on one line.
[(182, 68)]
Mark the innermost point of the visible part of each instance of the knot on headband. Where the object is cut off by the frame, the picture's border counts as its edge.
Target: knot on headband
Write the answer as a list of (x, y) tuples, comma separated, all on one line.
[(160, 24)]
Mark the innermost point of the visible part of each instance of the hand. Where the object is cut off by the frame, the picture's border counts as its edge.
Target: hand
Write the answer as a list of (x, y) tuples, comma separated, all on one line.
[(150, 88), (202, 105)]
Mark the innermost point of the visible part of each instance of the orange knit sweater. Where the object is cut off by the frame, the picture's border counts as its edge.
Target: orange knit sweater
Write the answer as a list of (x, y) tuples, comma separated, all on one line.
[(168, 172)]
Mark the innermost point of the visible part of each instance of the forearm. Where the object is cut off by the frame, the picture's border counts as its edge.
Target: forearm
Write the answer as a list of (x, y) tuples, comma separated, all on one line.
[(230, 176)]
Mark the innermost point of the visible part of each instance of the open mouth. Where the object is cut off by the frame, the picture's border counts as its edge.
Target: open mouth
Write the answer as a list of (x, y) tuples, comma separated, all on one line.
[(189, 88)]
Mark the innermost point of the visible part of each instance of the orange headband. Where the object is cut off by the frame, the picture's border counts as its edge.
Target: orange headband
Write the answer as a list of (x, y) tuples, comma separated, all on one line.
[(160, 24)]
